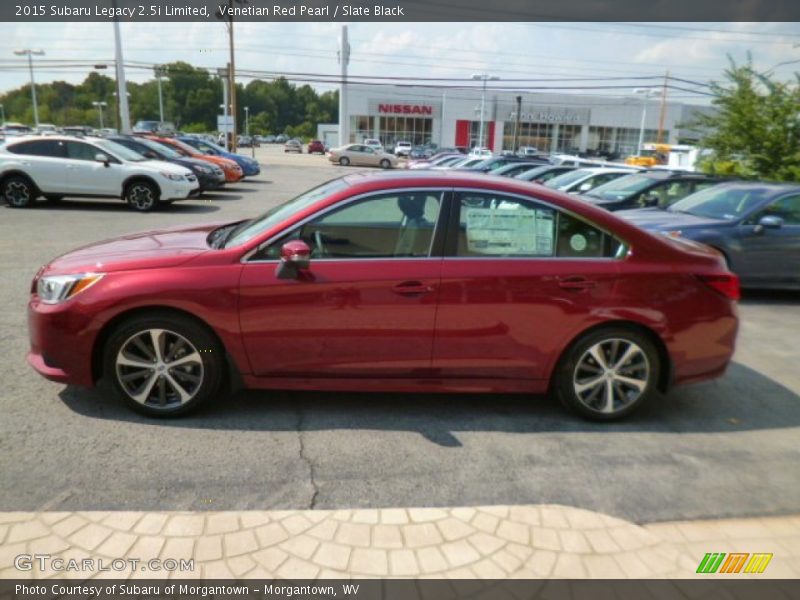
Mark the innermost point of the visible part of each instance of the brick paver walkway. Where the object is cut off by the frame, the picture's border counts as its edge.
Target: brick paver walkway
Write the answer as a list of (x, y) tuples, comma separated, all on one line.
[(465, 542)]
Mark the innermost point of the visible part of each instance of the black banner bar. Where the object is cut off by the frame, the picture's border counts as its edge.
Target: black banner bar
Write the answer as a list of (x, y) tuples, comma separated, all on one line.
[(400, 10), (399, 589)]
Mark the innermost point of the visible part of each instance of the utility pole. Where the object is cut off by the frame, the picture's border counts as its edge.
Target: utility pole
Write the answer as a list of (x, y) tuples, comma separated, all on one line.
[(160, 72), (518, 115), (122, 88), (344, 60), (30, 54), (232, 77), (484, 78), (663, 109)]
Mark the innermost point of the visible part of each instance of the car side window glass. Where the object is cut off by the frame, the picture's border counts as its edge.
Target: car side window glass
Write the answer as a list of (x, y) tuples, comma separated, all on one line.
[(392, 225), (81, 151), (787, 208), (50, 148), (493, 225)]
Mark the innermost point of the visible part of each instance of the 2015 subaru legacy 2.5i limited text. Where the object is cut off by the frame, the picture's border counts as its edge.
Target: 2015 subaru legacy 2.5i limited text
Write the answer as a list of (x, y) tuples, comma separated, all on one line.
[(410, 281)]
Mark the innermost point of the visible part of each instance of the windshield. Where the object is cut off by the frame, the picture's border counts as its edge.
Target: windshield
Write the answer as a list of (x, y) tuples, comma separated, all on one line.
[(160, 149), (119, 151), (567, 178), (186, 148), (533, 173), (277, 214), (723, 203), (622, 188)]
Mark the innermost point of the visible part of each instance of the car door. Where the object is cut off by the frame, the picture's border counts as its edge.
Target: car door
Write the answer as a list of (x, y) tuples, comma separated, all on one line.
[(367, 305), (519, 279), (771, 255), (45, 161), (85, 175), (365, 157)]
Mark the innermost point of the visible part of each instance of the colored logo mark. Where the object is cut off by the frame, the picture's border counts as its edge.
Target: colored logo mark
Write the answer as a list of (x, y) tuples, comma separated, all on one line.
[(735, 562)]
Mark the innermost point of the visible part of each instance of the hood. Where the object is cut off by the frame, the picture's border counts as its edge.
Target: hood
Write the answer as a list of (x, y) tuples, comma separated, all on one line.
[(194, 162), (145, 250), (664, 220), (169, 167)]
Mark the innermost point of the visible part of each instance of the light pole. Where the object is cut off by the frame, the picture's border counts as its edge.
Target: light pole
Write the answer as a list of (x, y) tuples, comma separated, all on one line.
[(30, 53), (247, 131), (484, 77), (160, 72), (2, 115), (223, 75), (99, 104), (645, 93)]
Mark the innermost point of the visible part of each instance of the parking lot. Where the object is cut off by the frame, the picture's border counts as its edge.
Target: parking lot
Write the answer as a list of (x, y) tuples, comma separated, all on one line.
[(725, 448)]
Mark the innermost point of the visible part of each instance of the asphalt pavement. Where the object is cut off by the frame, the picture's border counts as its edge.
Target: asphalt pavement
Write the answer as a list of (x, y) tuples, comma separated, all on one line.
[(727, 448)]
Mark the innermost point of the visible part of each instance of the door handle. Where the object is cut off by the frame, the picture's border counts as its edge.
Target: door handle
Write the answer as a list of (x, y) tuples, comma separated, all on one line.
[(576, 284), (412, 288)]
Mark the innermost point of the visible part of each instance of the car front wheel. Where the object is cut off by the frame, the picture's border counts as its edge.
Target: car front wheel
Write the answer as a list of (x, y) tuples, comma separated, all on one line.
[(142, 196), (344, 161), (19, 192), (607, 374), (164, 365)]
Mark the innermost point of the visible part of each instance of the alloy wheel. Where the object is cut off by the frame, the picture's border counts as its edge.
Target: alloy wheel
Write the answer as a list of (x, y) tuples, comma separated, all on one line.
[(141, 196), (611, 375), (18, 193), (159, 368)]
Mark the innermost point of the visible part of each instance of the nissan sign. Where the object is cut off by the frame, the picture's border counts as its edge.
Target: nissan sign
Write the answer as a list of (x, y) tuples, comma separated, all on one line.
[(380, 107)]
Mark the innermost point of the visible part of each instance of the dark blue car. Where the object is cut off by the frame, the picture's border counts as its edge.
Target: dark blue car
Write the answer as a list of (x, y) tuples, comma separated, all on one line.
[(249, 165), (756, 226)]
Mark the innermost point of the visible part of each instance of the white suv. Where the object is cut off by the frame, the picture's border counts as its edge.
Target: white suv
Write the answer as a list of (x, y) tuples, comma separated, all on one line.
[(402, 148), (374, 144), (58, 166)]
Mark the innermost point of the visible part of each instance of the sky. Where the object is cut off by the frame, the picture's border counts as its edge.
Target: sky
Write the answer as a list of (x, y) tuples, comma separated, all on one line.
[(693, 51)]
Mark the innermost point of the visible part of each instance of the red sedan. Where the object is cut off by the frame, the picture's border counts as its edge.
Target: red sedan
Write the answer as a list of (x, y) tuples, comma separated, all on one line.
[(428, 282), (316, 147)]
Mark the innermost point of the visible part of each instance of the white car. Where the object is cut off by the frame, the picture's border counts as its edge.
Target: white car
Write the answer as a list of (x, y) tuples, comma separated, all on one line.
[(581, 181), (480, 153), (374, 144), (402, 148), (58, 166)]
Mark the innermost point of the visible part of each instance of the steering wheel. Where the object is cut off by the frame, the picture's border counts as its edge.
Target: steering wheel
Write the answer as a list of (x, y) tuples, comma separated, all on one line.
[(320, 244)]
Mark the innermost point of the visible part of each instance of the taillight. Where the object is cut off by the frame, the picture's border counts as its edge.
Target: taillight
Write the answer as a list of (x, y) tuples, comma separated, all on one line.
[(727, 285)]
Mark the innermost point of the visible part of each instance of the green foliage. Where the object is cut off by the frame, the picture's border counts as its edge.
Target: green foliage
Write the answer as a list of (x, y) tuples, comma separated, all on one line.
[(755, 132), (192, 99)]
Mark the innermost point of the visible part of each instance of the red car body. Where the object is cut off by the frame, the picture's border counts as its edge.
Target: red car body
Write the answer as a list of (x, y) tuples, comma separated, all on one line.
[(439, 323), (315, 146)]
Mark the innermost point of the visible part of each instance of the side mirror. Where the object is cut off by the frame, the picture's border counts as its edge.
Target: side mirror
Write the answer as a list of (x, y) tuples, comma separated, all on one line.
[(102, 158), (295, 257), (768, 222)]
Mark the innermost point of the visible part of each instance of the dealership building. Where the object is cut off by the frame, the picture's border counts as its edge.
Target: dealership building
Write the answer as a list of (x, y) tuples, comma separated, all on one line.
[(550, 122)]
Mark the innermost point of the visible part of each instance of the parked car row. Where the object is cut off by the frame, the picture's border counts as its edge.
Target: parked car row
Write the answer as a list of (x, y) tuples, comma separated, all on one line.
[(144, 170)]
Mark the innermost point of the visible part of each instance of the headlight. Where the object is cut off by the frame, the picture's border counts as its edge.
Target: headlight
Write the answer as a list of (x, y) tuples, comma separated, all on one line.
[(58, 288), (172, 176), (201, 169)]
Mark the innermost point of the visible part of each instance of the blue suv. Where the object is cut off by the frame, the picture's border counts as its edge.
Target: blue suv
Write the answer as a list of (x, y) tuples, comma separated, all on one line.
[(249, 165)]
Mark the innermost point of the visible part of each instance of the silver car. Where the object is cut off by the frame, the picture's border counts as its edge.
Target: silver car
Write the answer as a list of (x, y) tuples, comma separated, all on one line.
[(362, 156)]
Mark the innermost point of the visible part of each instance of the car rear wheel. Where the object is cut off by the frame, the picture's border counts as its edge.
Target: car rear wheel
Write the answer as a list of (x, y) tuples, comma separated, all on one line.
[(344, 161), (19, 191), (607, 374), (164, 365), (142, 196), (385, 163)]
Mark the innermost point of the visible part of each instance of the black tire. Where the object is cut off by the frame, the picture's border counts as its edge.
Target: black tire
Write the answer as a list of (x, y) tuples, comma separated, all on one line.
[(386, 163), (643, 367), (53, 199), (142, 196), (19, 191), (344, 161), (201, 379)]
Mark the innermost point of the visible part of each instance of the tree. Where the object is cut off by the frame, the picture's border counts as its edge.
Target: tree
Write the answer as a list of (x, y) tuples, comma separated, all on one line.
[(755, 131)]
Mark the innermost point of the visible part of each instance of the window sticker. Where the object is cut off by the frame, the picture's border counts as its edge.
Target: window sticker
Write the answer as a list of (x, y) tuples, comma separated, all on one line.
[(577, 242), (502, 231)]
